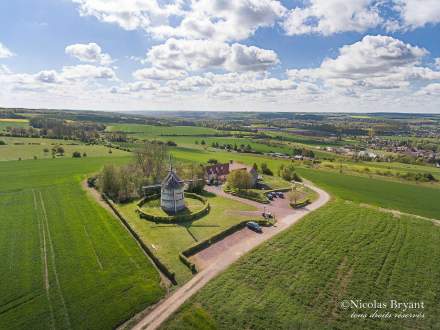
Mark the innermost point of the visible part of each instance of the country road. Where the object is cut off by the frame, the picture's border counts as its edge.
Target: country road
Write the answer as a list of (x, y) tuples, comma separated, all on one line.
[(169, 305)]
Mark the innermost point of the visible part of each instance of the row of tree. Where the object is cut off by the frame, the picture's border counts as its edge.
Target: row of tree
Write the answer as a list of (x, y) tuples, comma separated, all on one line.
[(149, 167)]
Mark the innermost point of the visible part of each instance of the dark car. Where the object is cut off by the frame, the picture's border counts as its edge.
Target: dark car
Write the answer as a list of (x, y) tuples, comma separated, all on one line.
[(280, 195), (254, 226), (270, 196)]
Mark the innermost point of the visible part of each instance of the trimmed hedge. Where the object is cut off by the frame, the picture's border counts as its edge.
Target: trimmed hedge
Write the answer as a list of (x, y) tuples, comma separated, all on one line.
[(162, 268), (300, 204), (174, 218), (196, 248), (247, 195)]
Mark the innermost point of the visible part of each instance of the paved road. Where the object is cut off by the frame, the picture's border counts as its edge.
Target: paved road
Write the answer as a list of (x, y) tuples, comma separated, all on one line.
[(170, 304)]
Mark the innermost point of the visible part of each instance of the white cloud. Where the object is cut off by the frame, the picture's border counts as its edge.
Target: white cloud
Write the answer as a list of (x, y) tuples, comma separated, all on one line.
[(198, 19), (418, 13), (48, 76), (374, 62), (131, 14), (332, 16), (5, 52), (87, 72), (226, 20), (431, 89), (192, 55), (91, 53), (158, 74)]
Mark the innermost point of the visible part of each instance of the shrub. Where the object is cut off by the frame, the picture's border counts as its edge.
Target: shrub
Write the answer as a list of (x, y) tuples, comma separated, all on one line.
[(212, 161), (266, 170), (239, 179), (85, 154), (171, 144), (2, 143), (76, 154)]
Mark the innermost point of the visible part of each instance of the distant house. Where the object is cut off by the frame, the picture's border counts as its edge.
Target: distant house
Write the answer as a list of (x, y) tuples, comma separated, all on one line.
[(219, 172)]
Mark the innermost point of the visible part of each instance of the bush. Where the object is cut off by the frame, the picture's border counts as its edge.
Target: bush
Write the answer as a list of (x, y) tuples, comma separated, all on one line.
[(84, 154), (171, 144), (212, 161), (239, 179), (266, 170), (2, 143), (76, 154)]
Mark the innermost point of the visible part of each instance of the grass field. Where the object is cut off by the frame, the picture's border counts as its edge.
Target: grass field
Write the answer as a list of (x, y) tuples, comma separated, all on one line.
[(149, 131), (300, 277), (66, 262), (4, 123), (169, 240), (27, 148)]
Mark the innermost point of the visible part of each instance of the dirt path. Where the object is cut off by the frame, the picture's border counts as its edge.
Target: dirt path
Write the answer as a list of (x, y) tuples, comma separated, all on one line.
[(170, 304)]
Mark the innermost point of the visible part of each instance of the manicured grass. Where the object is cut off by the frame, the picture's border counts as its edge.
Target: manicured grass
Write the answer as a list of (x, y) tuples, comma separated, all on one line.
[(153, 207), (27, 148), (97, 276), (298, 279), (168, 241)]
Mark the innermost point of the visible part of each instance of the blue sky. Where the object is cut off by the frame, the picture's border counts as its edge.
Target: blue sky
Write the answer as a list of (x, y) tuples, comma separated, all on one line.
[(317, 55)]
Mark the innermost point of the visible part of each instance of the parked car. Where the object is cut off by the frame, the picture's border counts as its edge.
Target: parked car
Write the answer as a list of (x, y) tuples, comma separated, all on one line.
[(254, 226), (280, 195), (270, 196)]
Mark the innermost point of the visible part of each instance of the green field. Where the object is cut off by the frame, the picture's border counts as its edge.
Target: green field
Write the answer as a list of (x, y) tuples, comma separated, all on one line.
[(300, 277), (27, 148), (67, 263), (149, 131), (4, 123), (169, 240)]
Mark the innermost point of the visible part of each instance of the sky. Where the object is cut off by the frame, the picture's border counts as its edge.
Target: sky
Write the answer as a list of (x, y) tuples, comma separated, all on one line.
[(247, 55)]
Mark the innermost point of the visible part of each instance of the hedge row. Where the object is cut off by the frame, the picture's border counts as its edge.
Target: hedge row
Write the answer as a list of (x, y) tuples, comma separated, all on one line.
[(243, 194), (196, 248), (300, 204), (174, 218), (170, 275)]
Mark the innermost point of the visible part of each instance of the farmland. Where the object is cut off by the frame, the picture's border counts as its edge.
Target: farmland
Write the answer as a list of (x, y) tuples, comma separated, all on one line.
[(148, 131), (66, 259), (28, 148), (340, 252)]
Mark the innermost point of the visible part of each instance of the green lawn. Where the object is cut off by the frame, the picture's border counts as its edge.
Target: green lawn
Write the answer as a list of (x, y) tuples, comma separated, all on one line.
[(66, 262), (298, 279), (169, 240), (27, 148), (153, 207)]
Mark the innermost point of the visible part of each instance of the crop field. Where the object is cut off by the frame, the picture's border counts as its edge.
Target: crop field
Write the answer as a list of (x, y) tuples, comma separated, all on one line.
[(300, 277), (28, 148), (169, 240), (66, 262), (149, 131), (4, 123)]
